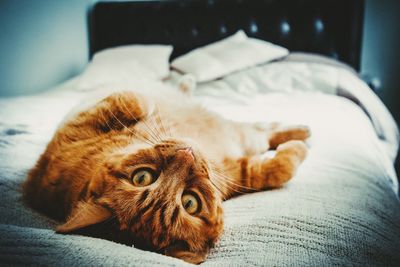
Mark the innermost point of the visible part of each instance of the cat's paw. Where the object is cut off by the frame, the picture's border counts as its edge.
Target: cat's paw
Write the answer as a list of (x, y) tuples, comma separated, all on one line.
[(187, 84), (284, 134), (300, 132), (294, 148)]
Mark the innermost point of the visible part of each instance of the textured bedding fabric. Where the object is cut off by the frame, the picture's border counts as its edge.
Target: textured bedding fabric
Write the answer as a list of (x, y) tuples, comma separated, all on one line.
[(340, 208)]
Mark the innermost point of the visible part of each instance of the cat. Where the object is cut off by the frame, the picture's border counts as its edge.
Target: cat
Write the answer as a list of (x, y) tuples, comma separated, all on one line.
[(158, 168)]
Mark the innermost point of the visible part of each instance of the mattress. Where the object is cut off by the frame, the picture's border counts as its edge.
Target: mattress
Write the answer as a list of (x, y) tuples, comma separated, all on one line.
[(341, 208)]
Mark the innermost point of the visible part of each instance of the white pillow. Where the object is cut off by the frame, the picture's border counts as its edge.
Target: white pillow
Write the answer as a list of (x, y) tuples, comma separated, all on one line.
[(127, 65), (228, 55)]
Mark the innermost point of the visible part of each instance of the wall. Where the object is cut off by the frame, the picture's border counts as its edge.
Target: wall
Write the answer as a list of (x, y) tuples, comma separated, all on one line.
[(42, 42), (381, 49)]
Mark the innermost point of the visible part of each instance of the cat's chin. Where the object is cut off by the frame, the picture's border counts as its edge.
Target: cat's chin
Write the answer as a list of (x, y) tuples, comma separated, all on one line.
[(196, 257)]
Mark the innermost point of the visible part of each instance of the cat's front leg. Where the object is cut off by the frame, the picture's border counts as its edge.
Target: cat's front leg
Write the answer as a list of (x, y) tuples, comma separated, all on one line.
[(255, 173), (274, 172)]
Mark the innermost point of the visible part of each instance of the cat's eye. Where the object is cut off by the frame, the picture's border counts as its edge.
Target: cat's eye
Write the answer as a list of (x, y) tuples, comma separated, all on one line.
[(143, 177), (190, 203)]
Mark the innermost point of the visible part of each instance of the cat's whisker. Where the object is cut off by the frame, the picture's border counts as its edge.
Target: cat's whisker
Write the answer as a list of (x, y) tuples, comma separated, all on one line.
[(150, 138), (171, 134), (155, 127), (217, 187), (122, 124), (215, 167), (106, 121), (229, 180), (158, 121), (142, 138), (229, 187), (152, 127), (168, 128), (133, 117), (225, 169), (241, 186), (136, 134), (149, 129), (218, 169), (163, 129)]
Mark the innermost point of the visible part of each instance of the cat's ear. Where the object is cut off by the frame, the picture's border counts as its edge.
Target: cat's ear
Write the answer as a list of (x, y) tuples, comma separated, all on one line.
[(84, 214)]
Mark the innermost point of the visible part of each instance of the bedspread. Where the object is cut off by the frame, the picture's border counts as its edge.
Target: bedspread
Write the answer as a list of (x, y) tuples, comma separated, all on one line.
[(340, 208)]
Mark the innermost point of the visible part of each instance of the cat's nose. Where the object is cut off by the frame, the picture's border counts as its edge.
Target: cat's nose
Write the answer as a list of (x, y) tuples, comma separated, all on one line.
[(186, 152)]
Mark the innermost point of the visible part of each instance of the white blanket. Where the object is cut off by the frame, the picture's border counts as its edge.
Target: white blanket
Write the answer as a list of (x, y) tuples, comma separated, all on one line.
[(340, 208)]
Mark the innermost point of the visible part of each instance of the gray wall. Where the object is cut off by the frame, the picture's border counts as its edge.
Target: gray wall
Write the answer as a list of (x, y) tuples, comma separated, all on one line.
[(44, 42), (381, 49)]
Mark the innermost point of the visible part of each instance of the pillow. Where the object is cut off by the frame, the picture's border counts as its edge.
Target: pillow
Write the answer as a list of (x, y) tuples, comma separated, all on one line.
[(228, 55), (127, 65)]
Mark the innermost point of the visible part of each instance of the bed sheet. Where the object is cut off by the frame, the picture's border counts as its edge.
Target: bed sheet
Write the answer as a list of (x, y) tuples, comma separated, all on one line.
[(340, 208)]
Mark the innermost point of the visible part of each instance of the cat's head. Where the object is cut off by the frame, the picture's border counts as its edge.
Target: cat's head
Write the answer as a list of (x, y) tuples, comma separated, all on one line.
[(161, 195)]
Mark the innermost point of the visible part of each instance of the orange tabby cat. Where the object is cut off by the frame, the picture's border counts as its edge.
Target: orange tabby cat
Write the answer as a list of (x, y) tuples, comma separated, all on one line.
[(159, 169)]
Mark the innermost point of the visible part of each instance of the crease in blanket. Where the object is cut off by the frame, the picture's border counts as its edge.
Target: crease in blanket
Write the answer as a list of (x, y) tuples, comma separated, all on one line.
[(338, 210)]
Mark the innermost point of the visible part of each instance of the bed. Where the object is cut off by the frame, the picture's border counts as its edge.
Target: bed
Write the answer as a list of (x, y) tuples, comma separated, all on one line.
[(341, 208)]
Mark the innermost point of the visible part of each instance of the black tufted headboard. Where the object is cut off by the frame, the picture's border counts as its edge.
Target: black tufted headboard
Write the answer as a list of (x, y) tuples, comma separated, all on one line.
[(329, 27)]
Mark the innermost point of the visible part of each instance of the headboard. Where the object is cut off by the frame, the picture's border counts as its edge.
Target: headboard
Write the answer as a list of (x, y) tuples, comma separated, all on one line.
[(329, 27)]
